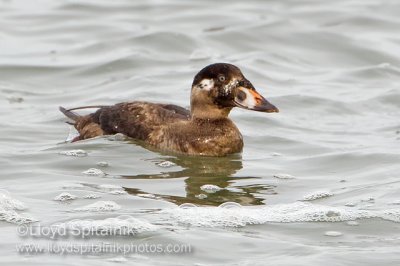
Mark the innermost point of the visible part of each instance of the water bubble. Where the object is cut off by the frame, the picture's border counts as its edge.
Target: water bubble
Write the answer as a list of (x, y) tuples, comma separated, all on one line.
[(121, 225), (100, 206), (9, 203), (117, 192), (92, 196), (166, 164), (352, 223), (9, 207), (187, 206), (208, 188), (333, 233), (283, 176), (76, 153), (230, 205), (317, 195), (65, 196), (108, 187), (147, 195), (94, 172), (280, 213), (112, 189), (201, 196)]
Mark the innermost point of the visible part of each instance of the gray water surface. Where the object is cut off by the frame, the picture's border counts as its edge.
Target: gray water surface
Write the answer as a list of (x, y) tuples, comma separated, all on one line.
[(318, 183)]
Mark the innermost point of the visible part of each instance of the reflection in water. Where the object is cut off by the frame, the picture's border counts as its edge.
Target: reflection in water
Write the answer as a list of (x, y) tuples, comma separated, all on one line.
[(217, 171)]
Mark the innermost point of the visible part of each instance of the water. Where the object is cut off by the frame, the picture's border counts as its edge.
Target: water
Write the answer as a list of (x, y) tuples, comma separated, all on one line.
[(317, 183)]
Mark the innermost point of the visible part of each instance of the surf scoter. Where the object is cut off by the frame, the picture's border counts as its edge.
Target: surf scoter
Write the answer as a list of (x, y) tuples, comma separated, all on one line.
[(204, 130)]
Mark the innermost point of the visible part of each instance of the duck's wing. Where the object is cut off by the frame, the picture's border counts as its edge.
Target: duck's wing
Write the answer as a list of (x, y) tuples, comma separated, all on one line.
[(134, 119), (177, 109)]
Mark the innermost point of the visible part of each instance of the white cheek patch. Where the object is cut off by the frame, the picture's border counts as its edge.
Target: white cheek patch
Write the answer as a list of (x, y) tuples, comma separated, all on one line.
[(206, 84), (250, 102)]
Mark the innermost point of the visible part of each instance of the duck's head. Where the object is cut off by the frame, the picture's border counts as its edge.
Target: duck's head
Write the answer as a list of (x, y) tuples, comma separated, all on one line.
[(217, 88)]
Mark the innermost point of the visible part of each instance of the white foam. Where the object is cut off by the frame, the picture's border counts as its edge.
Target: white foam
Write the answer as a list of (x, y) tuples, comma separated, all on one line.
[(187, 205), (76, 153), (282, 213), (100, 206), (65, 196), (8, 203), (121, 225), (230, 205), (111, 189), (147, 195), (9, 207), (117, 192), (201, 196), (108, 187), (166, 164), (12, 216), (210, 188), (333, 233), (317, 195), (391, 215), (92, 196), (94, 172), (283, 176)]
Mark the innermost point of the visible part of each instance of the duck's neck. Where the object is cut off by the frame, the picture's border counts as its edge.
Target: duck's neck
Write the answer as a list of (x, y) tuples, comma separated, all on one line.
[(209, 113)]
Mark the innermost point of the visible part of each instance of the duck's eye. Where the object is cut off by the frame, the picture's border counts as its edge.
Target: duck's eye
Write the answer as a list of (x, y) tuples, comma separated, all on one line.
[(221, 78)]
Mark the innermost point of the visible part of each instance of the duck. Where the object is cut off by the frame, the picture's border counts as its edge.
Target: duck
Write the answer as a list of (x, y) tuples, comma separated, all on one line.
[(204, 130)]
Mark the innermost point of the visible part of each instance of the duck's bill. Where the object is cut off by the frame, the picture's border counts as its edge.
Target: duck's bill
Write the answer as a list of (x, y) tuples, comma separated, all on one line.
[(250, 99)]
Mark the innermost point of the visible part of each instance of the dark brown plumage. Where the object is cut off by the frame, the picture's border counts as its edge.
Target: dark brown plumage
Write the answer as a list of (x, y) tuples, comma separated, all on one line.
[(205, 130)]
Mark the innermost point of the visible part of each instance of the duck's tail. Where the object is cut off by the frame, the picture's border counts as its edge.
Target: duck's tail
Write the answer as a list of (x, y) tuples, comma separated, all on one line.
[(74, 116), (69, 113)]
